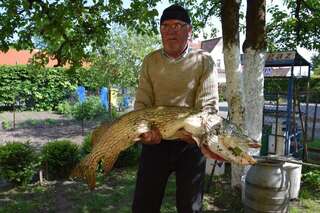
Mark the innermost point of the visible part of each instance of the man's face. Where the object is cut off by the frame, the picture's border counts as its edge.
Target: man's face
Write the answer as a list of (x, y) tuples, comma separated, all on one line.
[(174, 34)]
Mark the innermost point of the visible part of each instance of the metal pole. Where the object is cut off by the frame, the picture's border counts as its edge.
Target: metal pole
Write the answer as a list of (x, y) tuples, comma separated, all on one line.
[(314, 120), (211, 175), (284, 159), (289, 110), (305, 139), (277, 124)]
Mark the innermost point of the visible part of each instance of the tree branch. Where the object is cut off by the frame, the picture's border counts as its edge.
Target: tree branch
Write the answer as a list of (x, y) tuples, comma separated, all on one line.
[(298, 25)]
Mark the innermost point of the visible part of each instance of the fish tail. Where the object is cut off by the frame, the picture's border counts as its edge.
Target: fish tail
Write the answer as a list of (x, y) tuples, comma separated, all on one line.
[(90, 178), (86, 172)]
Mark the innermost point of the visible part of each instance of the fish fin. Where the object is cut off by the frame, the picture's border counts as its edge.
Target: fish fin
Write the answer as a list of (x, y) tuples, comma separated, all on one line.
[(108, 162), (76, 172), (208, 153), (90, 177), (254, 145), (86, 172)]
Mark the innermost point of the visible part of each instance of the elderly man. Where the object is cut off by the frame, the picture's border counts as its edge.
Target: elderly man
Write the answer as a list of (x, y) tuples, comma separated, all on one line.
[(175, 75)]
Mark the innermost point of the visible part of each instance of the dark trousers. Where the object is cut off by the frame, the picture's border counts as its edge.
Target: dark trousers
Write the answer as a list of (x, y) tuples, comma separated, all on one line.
[(157, 162)]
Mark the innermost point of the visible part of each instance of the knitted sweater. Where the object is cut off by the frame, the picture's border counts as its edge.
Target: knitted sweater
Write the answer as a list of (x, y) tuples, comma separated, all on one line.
[(190, 81)]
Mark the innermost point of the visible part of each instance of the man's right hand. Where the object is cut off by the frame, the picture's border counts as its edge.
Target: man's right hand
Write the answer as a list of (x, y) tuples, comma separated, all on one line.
[(151, 137)]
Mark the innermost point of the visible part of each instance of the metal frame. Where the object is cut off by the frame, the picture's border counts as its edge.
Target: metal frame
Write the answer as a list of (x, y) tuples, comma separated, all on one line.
[(290, 59)]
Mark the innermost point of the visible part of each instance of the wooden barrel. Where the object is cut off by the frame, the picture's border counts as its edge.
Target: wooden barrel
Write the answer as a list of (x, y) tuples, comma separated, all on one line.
[(266, 188)]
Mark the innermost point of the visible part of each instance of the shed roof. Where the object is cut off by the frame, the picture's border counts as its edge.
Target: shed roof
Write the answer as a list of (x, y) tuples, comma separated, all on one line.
[(283, 59)]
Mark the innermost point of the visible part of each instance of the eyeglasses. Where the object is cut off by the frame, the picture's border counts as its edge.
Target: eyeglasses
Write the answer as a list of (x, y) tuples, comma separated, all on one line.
[(175, 27)]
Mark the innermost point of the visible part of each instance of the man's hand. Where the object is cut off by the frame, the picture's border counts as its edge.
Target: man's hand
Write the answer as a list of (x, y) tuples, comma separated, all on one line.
[(151, 137)]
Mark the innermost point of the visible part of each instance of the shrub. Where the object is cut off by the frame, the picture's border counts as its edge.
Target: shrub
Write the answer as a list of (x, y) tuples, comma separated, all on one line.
[(311, 177), (38, 123), (6, 125), (18, 162), (86, 146), (128, 157), (222, 91), (59, 158), (34, 88), (65, 108), (88, 110)]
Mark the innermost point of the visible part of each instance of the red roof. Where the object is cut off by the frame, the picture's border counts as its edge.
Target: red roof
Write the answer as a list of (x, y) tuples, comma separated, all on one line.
[(14, 57)]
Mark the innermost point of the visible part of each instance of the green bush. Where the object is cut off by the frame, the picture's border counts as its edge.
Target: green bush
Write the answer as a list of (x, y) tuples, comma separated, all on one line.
[(34, 88), (59, 157), (6, 125), (65, 108), (128, 157), (222, 91), (88, 110), (311, 177), (38, 123), (18, 162), (280, 85), (86, 146)]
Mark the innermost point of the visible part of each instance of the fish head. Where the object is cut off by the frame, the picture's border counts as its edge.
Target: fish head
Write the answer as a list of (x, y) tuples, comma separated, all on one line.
[(235, 135)]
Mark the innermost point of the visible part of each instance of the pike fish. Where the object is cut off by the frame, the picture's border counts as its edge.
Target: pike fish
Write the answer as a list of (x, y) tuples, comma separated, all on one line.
[(210, 131)]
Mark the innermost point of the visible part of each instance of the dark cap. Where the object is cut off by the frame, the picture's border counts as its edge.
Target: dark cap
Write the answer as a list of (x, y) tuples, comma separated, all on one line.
[(177, 12)]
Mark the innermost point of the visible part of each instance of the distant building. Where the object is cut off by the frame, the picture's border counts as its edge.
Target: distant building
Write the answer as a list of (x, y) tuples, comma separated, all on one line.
[(15, 57), (215, 48)]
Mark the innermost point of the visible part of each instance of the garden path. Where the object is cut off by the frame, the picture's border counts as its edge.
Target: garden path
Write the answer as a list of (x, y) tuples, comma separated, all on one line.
[(42, 127)]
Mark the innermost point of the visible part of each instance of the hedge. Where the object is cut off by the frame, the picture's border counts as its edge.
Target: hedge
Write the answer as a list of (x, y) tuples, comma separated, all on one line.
[(33, 88), (280, 85)]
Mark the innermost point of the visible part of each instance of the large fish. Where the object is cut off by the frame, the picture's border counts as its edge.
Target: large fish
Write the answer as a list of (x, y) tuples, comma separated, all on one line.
[(210, 131)]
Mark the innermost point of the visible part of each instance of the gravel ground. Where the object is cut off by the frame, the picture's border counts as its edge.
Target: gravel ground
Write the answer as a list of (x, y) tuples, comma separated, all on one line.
[(42, 127)]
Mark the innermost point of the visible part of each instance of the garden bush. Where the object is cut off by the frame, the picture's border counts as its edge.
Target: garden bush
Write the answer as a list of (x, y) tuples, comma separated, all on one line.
[(280, 85), (65, 108), (311, 177), (6, 125), (18, 162), (86, 146), (34, 88), (128, 157), (222, 91), (88, 110), (59, 157)]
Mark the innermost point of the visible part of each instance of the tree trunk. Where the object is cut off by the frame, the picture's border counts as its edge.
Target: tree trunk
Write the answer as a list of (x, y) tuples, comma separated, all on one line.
[(254, 61), (244, 88), (231, 50)]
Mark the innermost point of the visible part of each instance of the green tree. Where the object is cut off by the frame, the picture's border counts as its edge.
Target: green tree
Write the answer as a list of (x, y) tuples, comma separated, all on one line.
[(69, 30), (315, 60), (118, 62), (297, 25)]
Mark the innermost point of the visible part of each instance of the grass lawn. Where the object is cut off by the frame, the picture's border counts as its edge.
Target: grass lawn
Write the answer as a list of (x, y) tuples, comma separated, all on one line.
[(114, 194), (314, 144)]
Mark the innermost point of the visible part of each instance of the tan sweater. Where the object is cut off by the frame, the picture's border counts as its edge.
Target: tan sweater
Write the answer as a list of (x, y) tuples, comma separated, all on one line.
[(188, 81)]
